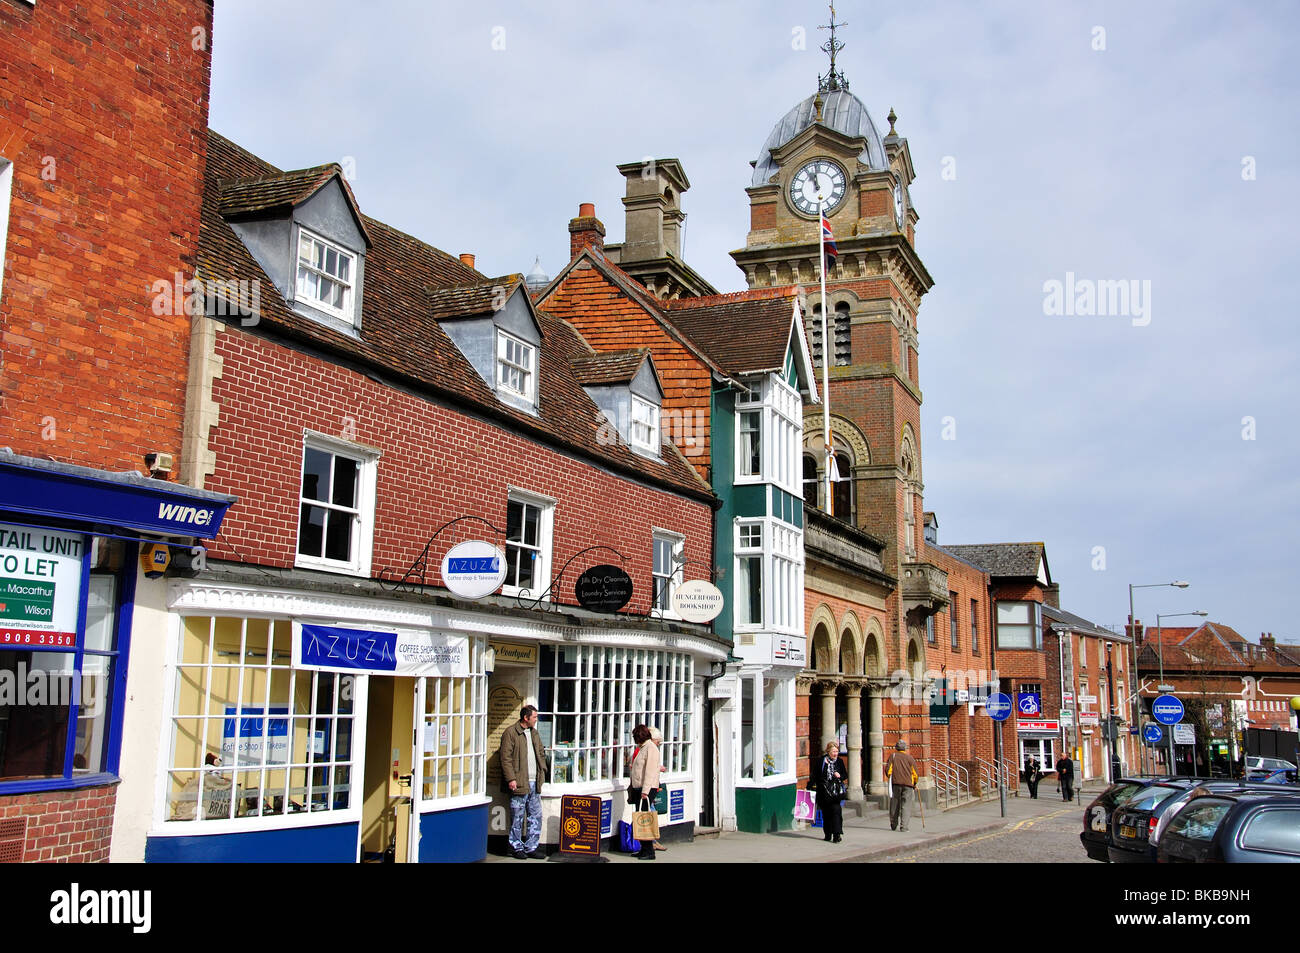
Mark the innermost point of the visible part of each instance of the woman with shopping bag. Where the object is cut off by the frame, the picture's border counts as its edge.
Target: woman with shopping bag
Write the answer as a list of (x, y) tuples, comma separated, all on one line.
[(644, 786), (829, 778)]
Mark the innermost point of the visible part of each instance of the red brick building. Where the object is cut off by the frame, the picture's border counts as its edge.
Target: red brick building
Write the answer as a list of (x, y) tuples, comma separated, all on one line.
[(102, 115)]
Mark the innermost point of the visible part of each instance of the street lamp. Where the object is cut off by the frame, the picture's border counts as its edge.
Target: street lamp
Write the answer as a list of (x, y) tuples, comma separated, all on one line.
[(1132, 621), (1160, 647)]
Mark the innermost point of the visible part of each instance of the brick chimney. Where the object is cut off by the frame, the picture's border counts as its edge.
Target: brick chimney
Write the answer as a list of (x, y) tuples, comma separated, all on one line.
[(1268, 644), (1134, 631), (586, 231), (1052, 595)]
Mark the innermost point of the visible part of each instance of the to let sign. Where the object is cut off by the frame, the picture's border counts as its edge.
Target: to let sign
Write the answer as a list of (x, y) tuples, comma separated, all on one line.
[(580, 825)]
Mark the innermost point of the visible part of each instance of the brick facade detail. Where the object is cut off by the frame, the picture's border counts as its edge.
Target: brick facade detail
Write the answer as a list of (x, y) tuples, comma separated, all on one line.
[(64, 826)]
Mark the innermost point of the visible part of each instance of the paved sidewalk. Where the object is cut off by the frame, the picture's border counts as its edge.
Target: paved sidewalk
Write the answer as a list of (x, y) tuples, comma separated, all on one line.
[(864, 837)]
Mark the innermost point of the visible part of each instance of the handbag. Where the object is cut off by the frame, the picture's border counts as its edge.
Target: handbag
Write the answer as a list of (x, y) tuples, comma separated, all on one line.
[(835, 789), (645, 821)]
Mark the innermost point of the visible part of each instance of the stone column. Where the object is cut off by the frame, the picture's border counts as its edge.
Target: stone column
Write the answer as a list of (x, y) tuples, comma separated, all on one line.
[(828, 714), (854, 754), (876, 739)]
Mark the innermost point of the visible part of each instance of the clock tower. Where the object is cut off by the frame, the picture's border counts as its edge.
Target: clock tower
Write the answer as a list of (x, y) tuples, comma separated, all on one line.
[(828, 145)]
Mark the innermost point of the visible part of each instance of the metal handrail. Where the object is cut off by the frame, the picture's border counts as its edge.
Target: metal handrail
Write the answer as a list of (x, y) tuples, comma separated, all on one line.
[(942, 780), (960, 778), (990, 775)]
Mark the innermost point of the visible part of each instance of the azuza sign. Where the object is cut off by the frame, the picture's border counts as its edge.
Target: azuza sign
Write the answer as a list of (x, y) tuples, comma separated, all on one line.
[(332, 648), (473, 569)]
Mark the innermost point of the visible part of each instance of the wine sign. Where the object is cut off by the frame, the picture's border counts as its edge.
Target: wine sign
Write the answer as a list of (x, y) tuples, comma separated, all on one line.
[(603, 588)]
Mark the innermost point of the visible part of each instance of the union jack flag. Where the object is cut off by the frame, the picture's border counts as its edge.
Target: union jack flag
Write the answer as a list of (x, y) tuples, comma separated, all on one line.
[(828, 237)]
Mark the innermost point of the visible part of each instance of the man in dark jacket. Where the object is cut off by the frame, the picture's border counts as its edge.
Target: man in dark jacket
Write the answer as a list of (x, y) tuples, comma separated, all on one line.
[(1065, 773), (523, 769)]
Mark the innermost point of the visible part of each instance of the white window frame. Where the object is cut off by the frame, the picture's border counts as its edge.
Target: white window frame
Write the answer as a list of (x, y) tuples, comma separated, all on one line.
[(504, 339), (363, 536), (1034, 624), (466, 722), (782, 560), (676, 543), (780, 434), (301, 294), (163, 824), (545, 544), (6, 189), (648, 420), (759, 733)]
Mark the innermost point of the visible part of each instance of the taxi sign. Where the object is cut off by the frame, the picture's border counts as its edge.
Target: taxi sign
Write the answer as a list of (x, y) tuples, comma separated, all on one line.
[(1167, 709), (998, 706)]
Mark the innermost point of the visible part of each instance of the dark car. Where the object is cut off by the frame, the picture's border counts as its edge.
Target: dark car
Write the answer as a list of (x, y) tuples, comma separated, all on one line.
[(1223, 827), (1138, 844), (1095, 836), (1134, 818)]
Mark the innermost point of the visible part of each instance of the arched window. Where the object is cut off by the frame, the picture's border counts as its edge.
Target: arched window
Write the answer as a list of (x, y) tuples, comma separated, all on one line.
[(840, 335), (842, 491), (810, 486)]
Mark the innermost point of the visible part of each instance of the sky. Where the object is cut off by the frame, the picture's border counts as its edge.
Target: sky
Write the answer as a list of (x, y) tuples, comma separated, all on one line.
[(1153, 144)]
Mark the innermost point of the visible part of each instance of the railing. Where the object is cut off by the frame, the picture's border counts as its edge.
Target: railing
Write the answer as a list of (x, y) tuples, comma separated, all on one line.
[(990, 775), (951, 781), (1009, 770)]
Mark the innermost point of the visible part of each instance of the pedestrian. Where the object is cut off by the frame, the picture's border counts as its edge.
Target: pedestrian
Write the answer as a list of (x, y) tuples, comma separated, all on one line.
[(901, 771), (1065, 773), (644, 782), (657, 737), (523, 769), (829, 779), (1033, 772)]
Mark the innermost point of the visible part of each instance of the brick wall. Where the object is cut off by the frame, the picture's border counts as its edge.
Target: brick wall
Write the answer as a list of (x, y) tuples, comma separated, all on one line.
[(437, 463), (62, 826), (103, 112)]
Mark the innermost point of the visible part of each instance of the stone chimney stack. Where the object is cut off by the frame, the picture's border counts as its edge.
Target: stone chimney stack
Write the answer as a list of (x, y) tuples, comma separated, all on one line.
[(1052, 595), (653, 203), (586, 231), (1268, 644)]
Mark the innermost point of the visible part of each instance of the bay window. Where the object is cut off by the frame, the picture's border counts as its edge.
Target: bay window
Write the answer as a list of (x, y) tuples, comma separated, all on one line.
[(769, 575), (769, 430), (765, 726), (1018, 625)]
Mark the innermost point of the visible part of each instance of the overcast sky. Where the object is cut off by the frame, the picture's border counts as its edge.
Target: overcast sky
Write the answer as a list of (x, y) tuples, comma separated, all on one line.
[(1151, 143)]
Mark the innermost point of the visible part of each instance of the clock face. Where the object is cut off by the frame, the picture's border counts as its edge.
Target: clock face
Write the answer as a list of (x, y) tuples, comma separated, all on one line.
[(821, 177), (898, 204)]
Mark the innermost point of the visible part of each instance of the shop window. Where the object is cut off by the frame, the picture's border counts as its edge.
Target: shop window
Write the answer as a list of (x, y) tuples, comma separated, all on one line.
[(764, 727), (336, 506), (1018, 625), (667, 569), (591, 697), (1044, 749), (251, 736), (529, 520), (455, 733), (56, 702)]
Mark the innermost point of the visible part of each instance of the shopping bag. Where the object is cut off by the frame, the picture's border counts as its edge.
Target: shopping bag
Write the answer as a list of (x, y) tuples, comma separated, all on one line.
[(803, 806), (626, 842), (645, 821)]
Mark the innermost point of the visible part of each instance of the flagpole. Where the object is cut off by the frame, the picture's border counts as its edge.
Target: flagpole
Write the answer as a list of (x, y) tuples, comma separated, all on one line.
[(826, 365)]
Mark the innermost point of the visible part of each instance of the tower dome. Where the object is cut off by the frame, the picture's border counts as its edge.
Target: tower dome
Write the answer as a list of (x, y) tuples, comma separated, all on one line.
[(841, 111), (537, 279)]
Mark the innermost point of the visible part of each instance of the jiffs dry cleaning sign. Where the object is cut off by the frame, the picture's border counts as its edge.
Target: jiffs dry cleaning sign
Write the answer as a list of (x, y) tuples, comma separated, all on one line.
[(40, 587)]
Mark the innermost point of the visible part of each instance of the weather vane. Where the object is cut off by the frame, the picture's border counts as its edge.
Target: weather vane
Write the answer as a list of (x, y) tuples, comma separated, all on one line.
[(834, 79)]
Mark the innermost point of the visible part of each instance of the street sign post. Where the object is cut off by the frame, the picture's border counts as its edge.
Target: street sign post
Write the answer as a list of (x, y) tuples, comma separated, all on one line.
[(998, 708), (1168, 710)]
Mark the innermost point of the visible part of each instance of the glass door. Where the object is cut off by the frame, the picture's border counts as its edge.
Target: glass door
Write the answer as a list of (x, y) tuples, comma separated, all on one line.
[(419, 745)]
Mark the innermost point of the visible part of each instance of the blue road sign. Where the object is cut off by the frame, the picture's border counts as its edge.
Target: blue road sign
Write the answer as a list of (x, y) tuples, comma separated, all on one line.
[(1167, 709), (998, 706), (1152, 734)]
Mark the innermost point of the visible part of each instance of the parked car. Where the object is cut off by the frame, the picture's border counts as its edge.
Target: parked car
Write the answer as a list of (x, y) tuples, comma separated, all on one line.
[(1276, 776), (1135, 817), (1142, 849), (1256, 763), (1226, 827), (1095, 836)]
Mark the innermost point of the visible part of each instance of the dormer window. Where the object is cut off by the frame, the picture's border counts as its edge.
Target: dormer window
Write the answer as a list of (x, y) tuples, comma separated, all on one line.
[(516, 366), (326, 273), (644, 433)]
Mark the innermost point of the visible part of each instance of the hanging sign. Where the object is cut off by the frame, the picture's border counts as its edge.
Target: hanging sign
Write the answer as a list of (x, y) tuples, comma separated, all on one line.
[(473, 569), (40, 587), (332, 648), (697, 601), (603, 588)]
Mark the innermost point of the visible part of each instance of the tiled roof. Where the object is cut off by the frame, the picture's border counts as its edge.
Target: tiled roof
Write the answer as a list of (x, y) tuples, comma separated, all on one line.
[(472, 299), (400, 334), (614, 367), (746, 333), (267, 190), (1211, 645), (1078, 623), (1002, 559)]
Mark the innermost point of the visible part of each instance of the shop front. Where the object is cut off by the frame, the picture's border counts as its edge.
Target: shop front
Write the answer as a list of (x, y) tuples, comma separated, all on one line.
[(311, 724), (80, 550)]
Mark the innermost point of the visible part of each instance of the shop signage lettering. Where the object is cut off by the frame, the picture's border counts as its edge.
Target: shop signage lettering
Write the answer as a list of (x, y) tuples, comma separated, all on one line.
[(603, 588), (330, 648), (246, 734), (789, 650), (580, 825), (606, 817), (1038, 726), (192, 515), (698, 601), (40, 587), (517, 654), (676, 804), (473, 569)]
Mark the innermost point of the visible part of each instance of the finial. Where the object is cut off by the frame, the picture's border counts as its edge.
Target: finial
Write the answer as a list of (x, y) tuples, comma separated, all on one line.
[(818, 102), (892, 119), (834, 79)]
